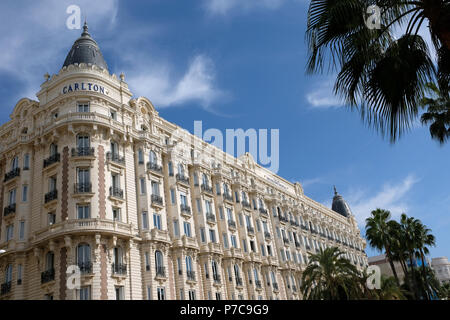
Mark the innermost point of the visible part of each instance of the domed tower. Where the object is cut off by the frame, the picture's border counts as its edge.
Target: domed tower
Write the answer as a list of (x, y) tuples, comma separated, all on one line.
[(85, 50), (340, 205)]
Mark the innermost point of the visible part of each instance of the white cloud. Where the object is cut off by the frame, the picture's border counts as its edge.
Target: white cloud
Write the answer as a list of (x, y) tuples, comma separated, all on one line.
[(322, 95), (197, 84), (222, 7), (392, 197)]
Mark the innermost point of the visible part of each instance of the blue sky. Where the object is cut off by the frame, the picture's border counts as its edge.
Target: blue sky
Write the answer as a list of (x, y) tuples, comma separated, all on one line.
[(237, 64)]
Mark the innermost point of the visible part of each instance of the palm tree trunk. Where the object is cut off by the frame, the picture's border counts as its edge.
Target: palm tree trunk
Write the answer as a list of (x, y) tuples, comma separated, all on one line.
[(413, 275), (391, 263)]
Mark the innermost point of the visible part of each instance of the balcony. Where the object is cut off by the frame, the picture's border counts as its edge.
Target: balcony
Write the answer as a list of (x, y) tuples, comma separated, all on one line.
[(207, 188), (185, 209), (190, 275), (50, 196), (161, 272), (246, 204), (239, 281), (258, 284), (267, 235), (285, 240), (157, 199), (304, 227), (9, 209), (182, 179), (232, 224), (113, 157), (227, 196), (47, 276), (263, 211), (85, 187), (12, 174), (250, 230), (85, 267), (154, 167), (5, 288), (119, 268), (52, 159), (83, 152), (116, 192), (275, 286), (210, 218), (216, 278)]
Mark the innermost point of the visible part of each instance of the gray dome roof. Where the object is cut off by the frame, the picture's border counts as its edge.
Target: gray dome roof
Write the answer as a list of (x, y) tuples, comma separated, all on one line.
[(340, 206), (85, 50)]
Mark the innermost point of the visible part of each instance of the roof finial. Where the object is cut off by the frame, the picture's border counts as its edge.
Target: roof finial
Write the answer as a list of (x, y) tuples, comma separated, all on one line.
[(335, 191), (85, 28)]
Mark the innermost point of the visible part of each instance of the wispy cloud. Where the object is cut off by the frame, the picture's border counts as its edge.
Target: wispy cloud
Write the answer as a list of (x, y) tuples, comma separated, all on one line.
[(197, 84), (222, 7), (322, 96), (391, 196)]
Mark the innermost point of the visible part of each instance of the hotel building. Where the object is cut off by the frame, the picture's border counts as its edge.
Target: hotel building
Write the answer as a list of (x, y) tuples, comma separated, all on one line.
[(104, 199)]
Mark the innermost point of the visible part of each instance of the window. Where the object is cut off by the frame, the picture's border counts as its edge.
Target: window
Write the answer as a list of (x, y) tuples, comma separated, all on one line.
[(159, 263), (208, 207), (147, 261), (191, 294), (258, 226), (22, 230), (176, 228), (83, 142), (19, 274), (83, 255), (140, 156), (263, 251), (170, 165), (83, 211), (144, 220), (218, 296), (205, 180), (225, 240), (199, 206), (161, 293), (244, 244), (24, 193), (117, 216), (52, 184), (120, 295), (114, 149), (9, 232), (12, 197), (172, 196), (214, 268), (252, 245), (195, 179), (49, 261), (157, 221), (187, 229), (143, 186), (115, 181), (113, 114), (84, 293), (221, 213), (233, 241), (26, 162), (241, 221), (83, 107), (183, 199), (218, 189), (189, 264), (212, 235), (15, 163), (229, 214), (202, 235), (51, 216), (153, 159), (8, 273), (180, 170), (269, 250)]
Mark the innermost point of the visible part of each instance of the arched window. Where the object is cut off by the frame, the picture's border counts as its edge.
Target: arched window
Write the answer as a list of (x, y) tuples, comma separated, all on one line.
[(49, 261), (8, 274), (15, 163), (159, 263), (84, 257), (153, 159)]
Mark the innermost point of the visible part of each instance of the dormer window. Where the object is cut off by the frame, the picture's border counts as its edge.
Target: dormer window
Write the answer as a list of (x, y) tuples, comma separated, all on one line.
[(83, 107)]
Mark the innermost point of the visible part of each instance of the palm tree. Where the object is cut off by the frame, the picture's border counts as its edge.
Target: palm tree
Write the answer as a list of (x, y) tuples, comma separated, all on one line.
[(331, 277), (379, 235), (390, 290), (381, 76), (438, 113)]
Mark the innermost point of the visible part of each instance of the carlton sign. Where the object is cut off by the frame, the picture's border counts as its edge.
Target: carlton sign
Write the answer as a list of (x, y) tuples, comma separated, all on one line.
[(85, 86)]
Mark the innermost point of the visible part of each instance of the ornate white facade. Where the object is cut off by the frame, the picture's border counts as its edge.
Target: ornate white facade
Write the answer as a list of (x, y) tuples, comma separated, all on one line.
[(95, 179)]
